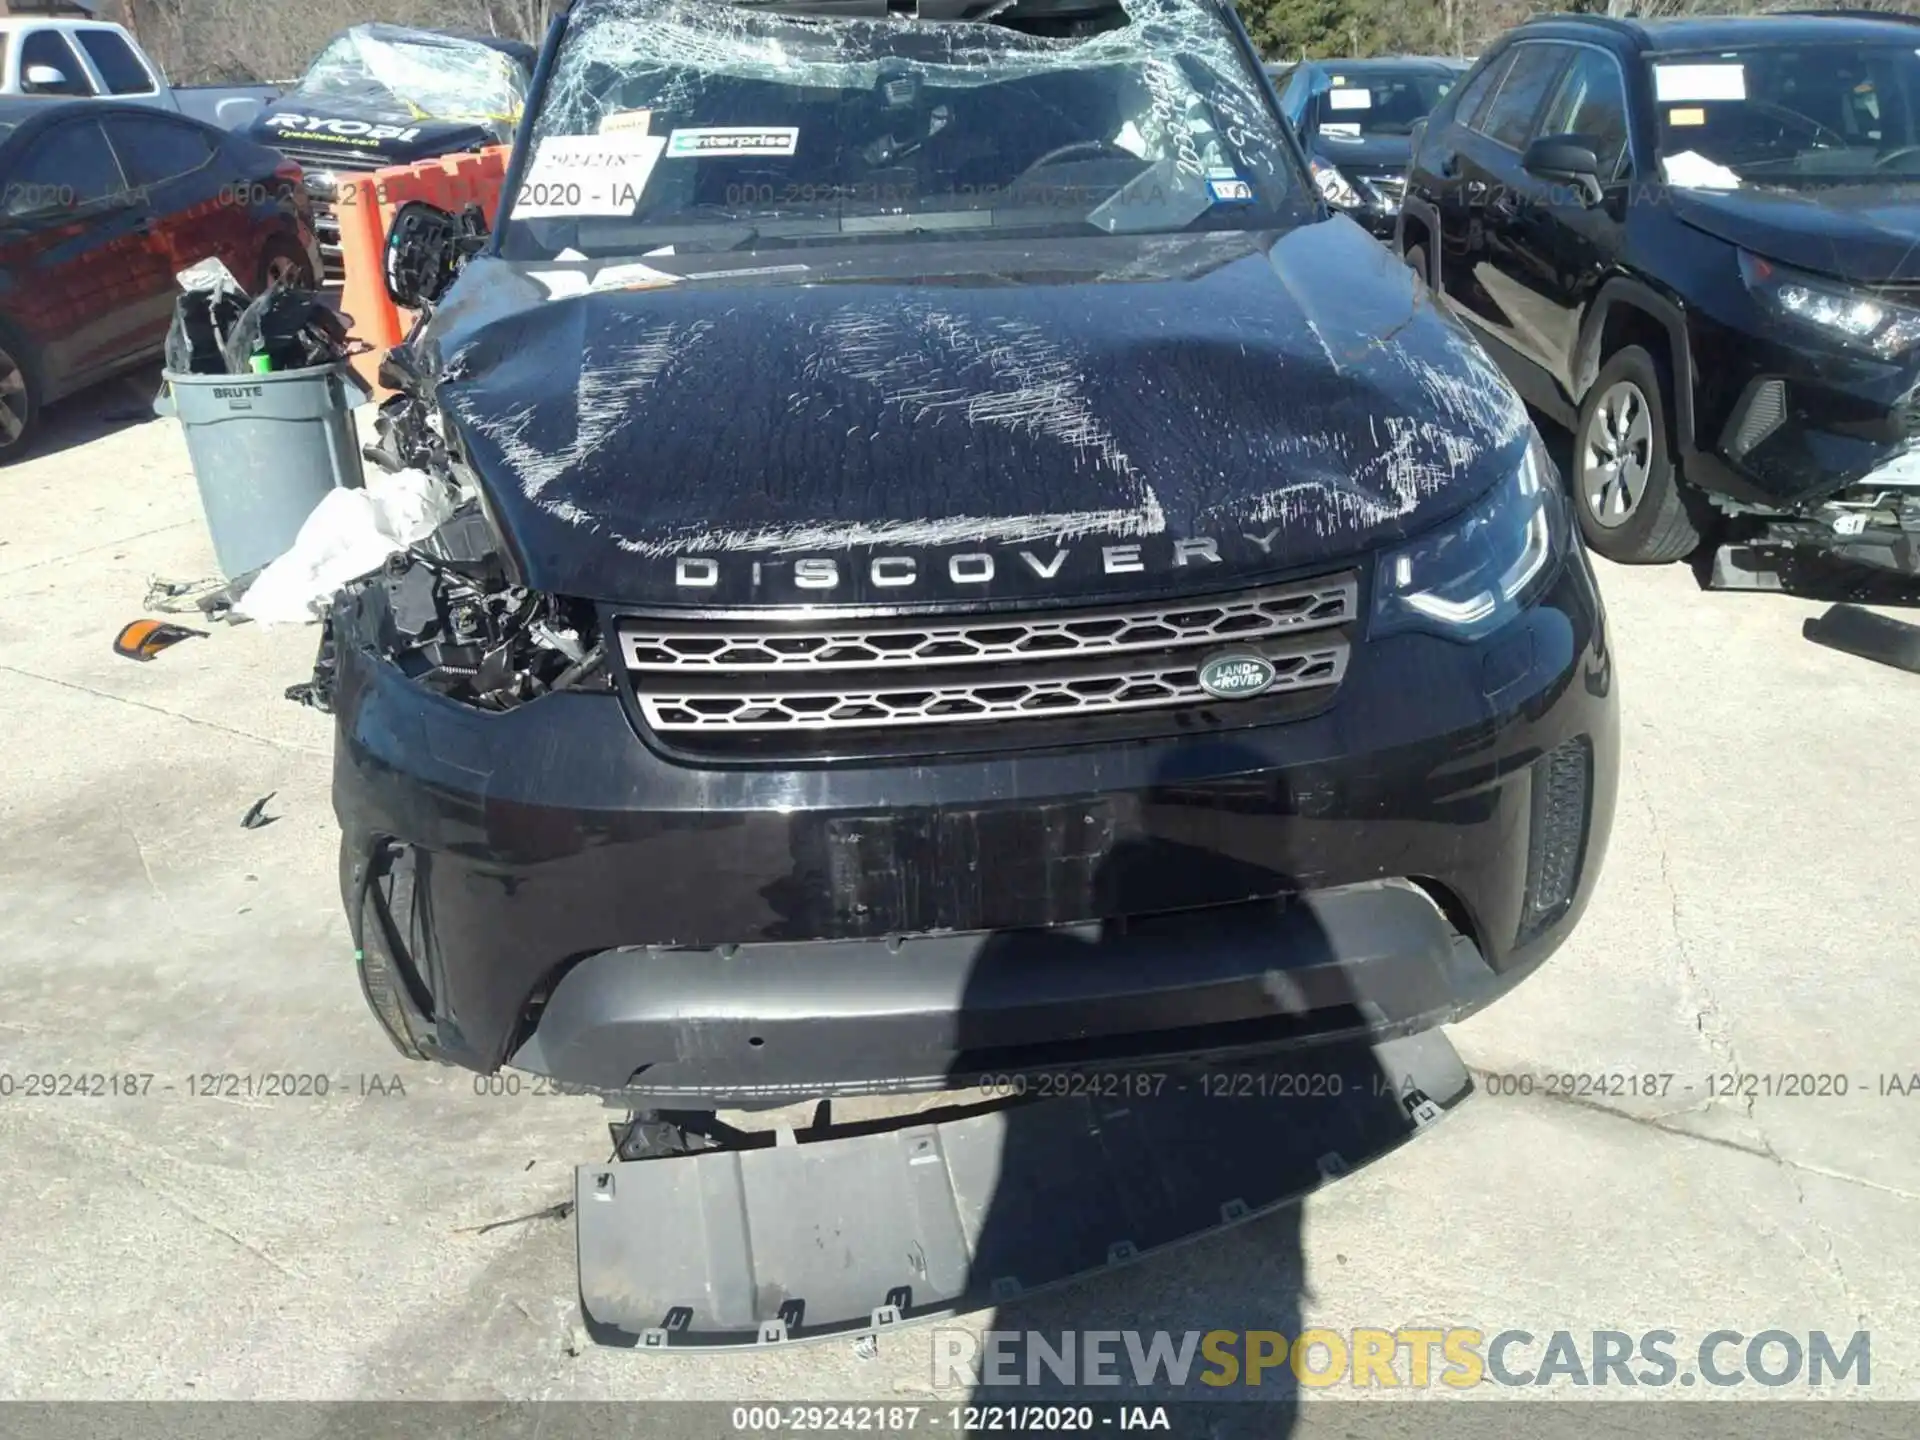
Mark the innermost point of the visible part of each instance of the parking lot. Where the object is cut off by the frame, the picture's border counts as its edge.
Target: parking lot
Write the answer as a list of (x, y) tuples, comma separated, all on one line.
[(1756, 917)]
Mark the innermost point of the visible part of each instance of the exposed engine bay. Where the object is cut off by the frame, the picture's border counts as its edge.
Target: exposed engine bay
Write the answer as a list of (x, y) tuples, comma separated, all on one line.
[(446, 612)]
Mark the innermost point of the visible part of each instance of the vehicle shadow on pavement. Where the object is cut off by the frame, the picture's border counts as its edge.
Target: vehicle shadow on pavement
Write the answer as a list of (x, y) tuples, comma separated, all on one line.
[(1100, 1168), (97, 412)]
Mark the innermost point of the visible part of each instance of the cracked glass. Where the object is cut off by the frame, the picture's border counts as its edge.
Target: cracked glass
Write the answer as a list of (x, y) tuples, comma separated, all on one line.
[(736, 128)]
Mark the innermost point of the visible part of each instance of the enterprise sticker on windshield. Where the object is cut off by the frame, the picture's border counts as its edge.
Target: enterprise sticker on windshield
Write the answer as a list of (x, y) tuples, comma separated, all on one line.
[(1682, 83), (733, 140), (588, 175)]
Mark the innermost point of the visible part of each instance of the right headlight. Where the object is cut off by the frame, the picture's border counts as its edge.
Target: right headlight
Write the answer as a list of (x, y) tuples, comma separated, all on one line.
[(1839, 311), (1476, 572)]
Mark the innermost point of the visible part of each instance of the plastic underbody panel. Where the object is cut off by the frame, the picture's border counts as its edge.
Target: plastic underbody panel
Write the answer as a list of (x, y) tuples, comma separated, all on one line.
[(806, 1238)]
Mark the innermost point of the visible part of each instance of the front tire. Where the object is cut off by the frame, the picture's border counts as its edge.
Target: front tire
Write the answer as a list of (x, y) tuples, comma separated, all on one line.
[(19, 398), (283, 261), (1633, 506)]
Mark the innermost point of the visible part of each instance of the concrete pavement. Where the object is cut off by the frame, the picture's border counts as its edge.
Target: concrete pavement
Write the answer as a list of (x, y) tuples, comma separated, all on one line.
[(1757, 916)]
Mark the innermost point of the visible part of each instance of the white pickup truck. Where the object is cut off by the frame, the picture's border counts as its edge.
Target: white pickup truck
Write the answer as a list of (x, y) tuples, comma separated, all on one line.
[(90, 59)]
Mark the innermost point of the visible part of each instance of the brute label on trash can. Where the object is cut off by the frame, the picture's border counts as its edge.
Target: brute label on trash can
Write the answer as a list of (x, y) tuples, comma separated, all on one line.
[(265, 452)]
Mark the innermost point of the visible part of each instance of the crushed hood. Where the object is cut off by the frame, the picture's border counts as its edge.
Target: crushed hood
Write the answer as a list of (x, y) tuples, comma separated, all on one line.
[(1855, 232), (1094, 418)]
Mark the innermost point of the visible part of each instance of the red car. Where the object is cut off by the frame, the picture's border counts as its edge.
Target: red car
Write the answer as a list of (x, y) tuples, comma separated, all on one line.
[(101, 206)]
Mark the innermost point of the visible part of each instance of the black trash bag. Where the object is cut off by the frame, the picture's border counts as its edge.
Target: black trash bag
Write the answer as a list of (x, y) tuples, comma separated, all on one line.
[(293, 328)]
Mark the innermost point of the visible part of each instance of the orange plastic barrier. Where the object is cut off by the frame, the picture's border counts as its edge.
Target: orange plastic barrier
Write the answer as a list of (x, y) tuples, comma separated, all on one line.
[(366, 206)]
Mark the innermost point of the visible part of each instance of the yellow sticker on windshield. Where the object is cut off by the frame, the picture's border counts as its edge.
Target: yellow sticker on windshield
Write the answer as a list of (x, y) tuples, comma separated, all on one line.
[(631, 121), (1686, 117)]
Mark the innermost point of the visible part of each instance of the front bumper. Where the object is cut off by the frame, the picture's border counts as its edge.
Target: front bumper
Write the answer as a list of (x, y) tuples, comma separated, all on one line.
[(580, 905), (1787, 425)]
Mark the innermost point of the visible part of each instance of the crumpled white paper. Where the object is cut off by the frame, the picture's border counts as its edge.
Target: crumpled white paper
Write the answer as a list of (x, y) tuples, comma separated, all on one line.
[(1693, 171), (349, 534)]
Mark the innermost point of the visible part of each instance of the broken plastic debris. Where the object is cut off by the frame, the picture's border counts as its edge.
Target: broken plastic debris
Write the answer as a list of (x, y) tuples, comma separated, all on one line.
[(256, 817), (351, 533), (1692, 171), (145, 639)]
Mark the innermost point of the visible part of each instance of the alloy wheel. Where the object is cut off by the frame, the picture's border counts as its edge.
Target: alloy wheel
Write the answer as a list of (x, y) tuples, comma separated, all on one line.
[(285, 270), (13, 401), (1617, 454)]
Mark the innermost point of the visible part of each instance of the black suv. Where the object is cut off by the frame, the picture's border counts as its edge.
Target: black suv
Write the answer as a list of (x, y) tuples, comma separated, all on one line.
[(1697, 243), (1356, 119), (953, 583)]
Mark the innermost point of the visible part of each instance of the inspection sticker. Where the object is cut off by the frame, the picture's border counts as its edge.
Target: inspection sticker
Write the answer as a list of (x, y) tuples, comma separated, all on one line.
[(1227, 188), (1699, 82), (588, 175), (734, 140), (627, 121), (1691, 115), (1349, 99)]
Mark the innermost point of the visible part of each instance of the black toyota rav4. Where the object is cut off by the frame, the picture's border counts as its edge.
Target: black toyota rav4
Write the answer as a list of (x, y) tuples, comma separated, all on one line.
[(971, 569), (1697, 242)]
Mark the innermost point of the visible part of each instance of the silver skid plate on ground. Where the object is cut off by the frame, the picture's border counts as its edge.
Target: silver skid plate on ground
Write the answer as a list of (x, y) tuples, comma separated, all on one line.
[(863, 1232)]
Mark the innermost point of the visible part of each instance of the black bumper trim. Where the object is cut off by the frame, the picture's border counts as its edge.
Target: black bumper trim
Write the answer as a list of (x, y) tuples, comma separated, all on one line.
[(769, 1020)]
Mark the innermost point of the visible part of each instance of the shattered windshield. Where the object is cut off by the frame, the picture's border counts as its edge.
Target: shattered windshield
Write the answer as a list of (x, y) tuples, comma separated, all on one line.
[(422, 76), (709, 126), (1359, 103), (1789, 115)]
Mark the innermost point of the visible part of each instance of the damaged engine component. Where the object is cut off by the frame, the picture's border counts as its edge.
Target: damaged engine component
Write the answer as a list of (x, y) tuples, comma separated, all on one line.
[(477, 640)]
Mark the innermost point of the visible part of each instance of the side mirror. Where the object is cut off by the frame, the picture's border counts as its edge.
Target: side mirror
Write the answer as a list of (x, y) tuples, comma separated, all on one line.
[(426, 250), (1566, 158), (45, 77)]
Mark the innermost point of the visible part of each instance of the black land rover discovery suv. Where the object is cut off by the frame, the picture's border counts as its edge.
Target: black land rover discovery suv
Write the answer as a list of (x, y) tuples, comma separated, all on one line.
[(970, 568)]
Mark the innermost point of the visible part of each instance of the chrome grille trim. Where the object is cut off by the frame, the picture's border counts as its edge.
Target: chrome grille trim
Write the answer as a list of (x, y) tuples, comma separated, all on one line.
[(316, 158), (1024, 697), (831, 674), (1251, 616)]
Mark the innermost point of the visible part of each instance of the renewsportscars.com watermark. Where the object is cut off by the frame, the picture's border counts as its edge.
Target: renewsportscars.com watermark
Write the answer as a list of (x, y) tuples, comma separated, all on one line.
[(1457, 1358)]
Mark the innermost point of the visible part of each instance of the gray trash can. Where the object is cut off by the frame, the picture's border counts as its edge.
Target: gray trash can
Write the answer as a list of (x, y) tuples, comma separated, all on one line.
[(266, 449)]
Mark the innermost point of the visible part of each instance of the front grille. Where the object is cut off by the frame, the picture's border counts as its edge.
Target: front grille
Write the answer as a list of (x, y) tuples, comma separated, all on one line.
[(1766, 412), (321, 158), (326, 222), (753, 676), (1556, 832)]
